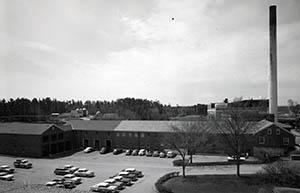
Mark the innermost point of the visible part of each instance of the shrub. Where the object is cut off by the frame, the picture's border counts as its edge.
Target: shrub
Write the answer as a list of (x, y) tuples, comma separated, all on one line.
[(158, 184), (282, 173)]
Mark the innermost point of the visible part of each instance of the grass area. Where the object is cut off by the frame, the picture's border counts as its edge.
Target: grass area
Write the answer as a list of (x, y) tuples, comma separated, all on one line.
[(218, 184)]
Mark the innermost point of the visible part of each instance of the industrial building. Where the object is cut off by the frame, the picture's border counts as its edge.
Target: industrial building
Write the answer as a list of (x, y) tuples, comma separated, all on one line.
[(50, 140)]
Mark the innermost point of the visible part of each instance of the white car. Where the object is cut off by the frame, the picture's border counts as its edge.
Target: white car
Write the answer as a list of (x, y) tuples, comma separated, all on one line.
[(88, 150), (110, 181), (99, 186), (118, 178), (76, 180), (51, 183), (130, 170), (233, 158), (69, 176), (7, 177), (7, 169), (142, 152), (71, 168), (83, 172)]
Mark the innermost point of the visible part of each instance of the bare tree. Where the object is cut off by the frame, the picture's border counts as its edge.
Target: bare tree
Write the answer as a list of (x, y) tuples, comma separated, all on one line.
[(234, 131), (294, 107), (186, 138)]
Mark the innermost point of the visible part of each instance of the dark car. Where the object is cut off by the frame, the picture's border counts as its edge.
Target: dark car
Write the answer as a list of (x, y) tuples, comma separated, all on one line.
[(155, 154), (128, 152), (104, 150), (117, 151), (69, 184), (62, 171), (126, 181), (22, 163), (135, 152), (148, 153)]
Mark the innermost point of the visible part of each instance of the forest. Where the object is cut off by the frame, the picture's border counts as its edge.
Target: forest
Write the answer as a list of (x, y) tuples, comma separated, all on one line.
[(23, 109)]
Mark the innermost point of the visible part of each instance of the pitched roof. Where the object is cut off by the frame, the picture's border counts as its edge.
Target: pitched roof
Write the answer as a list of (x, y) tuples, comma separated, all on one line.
[(24, 128), (94, 125), (263, 124), (145, 126), (65, 127)]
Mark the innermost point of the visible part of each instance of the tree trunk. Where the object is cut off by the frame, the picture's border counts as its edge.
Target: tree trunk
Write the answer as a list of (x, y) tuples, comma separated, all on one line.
[(183, 170), (191, 158), (238, 168)]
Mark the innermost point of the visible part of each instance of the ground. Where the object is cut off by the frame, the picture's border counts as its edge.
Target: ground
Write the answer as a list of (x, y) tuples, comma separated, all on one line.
[(217, 184), (107, 165)]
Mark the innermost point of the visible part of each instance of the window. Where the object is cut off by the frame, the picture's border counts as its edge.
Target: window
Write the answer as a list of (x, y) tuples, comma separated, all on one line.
[(118, 134), (45, 138), (286, 141), (53, 137), (108, 133), (142, 135), (136, 135), (123, 134), (60, 136), (129, 134), (277, 131), (269, 131), (148, 134), (261, 140), (96, 132)]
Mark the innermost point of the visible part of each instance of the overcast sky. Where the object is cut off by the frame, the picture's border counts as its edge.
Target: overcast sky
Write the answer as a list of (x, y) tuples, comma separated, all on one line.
[(109, 49)]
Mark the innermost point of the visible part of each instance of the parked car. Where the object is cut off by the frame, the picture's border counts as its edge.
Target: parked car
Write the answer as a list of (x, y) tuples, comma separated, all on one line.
[(117, 151), (128, 152), (120, 185), (7, 169), (117, 178), (76, 180), (162, 154), (134, 171), (71, 168), (62, 171), (234, 158), (155, 154), (171, 154), (110, 181), (5, 176), (69, 184), (112, 189), (98, 187), (135, 152), (148, 153), (83, 172), (68, 176), (126, 181), (59, 181), (51, 183), (22, 163), (104, 150), (88, 150), (142, 152)]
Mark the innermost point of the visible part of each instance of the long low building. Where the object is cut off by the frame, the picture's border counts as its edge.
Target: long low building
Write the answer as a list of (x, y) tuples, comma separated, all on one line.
[(46, 140)]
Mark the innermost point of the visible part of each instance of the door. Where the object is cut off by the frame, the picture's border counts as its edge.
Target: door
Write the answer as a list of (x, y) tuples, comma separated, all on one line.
[(85, 143), (108, 143), (97, 144)]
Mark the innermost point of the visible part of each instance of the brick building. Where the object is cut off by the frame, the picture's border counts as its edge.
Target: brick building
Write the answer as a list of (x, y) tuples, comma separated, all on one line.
[(44, 140)]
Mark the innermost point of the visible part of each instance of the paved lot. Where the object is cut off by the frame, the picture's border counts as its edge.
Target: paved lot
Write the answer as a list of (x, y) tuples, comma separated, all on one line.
[(107, 165)]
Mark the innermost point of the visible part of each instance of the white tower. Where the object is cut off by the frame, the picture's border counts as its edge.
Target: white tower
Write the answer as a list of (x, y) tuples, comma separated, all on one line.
[(273, 63)]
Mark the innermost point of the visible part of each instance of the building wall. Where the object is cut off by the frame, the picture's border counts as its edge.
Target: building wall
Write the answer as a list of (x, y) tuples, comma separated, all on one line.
[(21, 145), (273, 138)]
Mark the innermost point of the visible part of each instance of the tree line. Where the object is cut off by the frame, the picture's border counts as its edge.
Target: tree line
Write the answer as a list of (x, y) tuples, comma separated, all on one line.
[(24, 109)]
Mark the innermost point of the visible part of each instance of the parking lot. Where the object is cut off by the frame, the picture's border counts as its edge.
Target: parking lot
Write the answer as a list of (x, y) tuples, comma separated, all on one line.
[(108, 165)]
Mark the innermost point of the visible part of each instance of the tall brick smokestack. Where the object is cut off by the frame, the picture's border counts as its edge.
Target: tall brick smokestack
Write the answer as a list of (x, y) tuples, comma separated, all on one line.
[(273, 63)]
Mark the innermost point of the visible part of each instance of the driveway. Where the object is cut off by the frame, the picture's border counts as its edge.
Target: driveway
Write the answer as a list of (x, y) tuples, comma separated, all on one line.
[(107, 165)]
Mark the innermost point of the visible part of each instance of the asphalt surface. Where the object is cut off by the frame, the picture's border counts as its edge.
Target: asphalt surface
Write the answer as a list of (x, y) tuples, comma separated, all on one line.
[(107, 165)]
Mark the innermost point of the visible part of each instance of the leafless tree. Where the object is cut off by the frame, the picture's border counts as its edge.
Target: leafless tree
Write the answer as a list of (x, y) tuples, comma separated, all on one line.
[(234, 131), (294, 107), (186, 138)]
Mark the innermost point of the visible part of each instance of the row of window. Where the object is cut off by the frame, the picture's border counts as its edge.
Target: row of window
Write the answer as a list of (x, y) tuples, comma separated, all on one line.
[(261, 140), (130, 134), (269, 131)]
